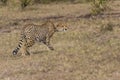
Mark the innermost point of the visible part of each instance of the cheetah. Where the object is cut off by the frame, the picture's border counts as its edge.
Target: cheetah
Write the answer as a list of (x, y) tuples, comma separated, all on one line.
[(32, 33)]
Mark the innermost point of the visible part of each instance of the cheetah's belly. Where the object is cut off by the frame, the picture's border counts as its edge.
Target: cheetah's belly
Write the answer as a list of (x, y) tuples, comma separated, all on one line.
[(40, 37)]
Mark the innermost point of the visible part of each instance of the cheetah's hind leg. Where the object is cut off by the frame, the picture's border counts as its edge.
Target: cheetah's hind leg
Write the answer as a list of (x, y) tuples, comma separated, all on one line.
[(24, 51)]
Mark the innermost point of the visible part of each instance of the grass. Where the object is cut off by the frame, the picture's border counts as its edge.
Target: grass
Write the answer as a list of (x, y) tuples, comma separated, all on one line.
[(81, 53)]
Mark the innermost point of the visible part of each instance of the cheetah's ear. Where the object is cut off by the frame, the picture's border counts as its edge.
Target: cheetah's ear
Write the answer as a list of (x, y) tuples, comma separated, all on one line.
[(56, 24), (59, 24)]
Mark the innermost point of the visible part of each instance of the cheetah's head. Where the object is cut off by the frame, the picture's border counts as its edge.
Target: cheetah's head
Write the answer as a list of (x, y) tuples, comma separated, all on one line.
[(61, 27)]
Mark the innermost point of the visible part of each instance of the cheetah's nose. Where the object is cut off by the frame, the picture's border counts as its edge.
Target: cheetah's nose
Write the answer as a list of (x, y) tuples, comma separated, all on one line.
[(65, 29)]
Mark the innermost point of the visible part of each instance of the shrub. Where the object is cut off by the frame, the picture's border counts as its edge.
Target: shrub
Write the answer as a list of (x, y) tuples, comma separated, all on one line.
[(25, 3), (99, 6), (4, 2), (106, 27)]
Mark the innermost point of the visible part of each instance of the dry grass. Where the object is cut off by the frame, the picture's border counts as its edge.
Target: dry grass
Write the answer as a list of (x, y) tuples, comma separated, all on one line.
[(81, 53)]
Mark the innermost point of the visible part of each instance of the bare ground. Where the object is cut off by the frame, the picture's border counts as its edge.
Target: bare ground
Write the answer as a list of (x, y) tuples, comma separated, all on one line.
[(81, 53)]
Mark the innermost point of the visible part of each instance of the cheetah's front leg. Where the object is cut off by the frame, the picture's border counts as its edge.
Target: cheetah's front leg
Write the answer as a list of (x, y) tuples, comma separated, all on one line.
[(47, 43)]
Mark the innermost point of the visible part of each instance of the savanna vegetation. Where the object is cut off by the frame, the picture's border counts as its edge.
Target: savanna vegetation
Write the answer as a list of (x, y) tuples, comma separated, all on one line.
[(89, 50)]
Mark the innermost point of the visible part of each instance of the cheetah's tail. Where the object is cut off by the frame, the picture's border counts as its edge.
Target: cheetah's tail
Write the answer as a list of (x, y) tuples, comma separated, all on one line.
[(15, 51)]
